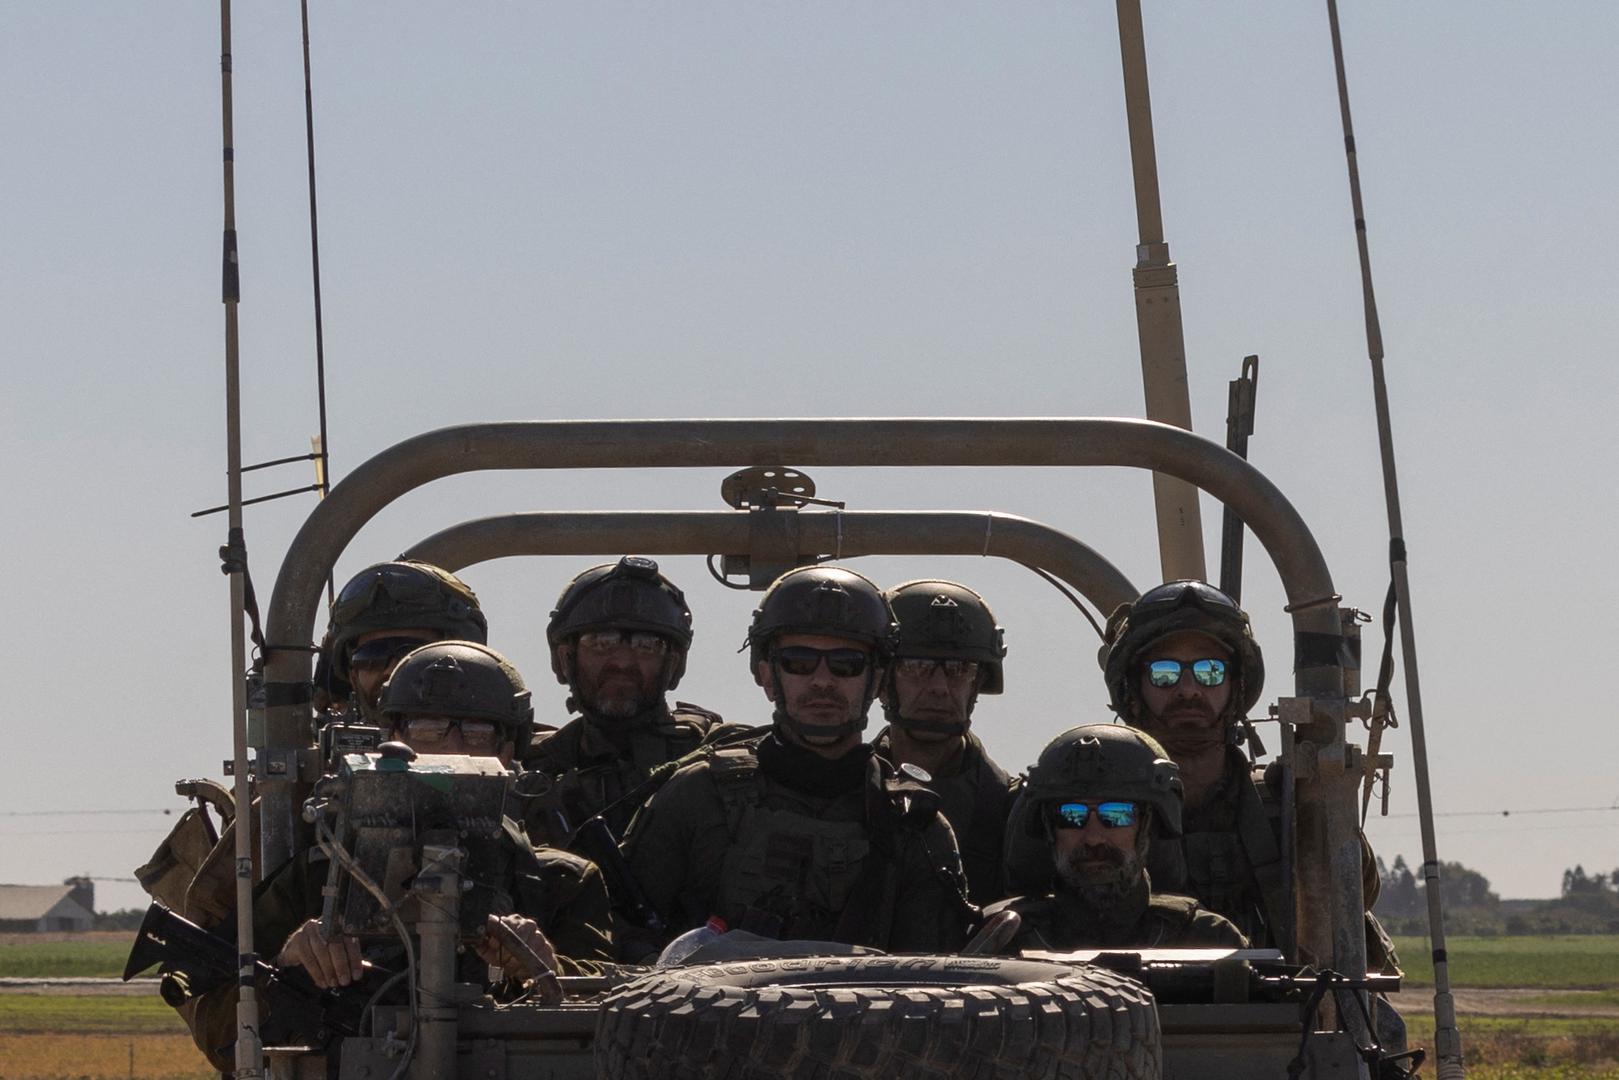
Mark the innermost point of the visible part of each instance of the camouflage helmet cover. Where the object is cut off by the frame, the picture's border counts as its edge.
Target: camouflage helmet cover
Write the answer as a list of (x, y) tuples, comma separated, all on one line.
[(460, 680), (631, 594), (1108, 761), (944, 620), (828, 600), (400, 595), (1176, 606)]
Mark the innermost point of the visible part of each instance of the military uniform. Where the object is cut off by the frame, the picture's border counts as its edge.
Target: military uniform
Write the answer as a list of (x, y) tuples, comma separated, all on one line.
[(778, 841), (975, 798), (1060, 921), (590, 765), (560, 891)]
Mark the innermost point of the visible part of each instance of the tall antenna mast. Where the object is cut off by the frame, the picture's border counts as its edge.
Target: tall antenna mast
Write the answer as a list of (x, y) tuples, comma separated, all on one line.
[(249, 1052), (1158, 314), (322, 452), (1447, 1039)]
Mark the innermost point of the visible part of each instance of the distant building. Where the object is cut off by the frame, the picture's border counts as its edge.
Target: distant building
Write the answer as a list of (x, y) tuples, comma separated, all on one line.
[(48, 908)]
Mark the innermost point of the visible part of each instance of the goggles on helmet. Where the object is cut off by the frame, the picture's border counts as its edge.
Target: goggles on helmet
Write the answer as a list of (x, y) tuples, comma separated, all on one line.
[(382, 653), (405, 586), (640, 641), (1167, 673), (915, 667), (426, 732), (803, 660), (1113, 815), (1173, 595)]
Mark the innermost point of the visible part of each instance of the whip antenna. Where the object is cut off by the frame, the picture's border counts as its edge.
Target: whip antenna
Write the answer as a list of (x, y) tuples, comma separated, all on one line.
[(249, 1053), (1447, 1039), (323, 472)]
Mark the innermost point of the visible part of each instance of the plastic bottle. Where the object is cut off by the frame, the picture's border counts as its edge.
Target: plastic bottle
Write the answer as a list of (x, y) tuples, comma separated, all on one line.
[(675, 953)]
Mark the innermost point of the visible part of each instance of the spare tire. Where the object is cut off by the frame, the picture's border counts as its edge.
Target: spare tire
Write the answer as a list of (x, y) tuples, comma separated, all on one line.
[(847, 1017)]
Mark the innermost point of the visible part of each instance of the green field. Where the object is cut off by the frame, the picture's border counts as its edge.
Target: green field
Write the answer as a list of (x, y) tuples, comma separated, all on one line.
[(83, 1015), (1568, 961), (100, 956)]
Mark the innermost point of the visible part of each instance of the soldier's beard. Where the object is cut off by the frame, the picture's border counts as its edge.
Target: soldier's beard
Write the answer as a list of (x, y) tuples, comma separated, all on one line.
[(621, 703), (1099, 875), (1187, 729)]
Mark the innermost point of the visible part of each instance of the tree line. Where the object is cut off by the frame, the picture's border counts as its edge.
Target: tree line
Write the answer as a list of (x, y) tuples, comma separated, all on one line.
[(1588, 903)]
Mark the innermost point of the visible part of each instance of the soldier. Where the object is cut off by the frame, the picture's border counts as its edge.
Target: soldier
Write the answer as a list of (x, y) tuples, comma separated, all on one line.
[(805, 832), (1095, 797), (384, 612), (1182, 664), (618, 640), (948, 652), (450, 697)]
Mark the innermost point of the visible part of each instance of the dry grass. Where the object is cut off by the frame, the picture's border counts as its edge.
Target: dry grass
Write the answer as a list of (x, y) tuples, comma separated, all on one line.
[(1503, 1048), (101, 1057)]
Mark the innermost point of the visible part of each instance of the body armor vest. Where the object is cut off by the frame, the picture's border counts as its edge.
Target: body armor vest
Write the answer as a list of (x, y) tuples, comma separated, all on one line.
[(794, 862), (586, 780)]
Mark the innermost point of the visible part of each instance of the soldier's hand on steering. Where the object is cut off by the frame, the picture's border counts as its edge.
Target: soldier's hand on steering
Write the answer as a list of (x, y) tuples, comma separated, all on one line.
[(330, 964)]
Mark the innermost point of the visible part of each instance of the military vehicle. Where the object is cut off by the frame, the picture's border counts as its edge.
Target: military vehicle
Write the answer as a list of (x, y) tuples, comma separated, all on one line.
[(797, 1010)]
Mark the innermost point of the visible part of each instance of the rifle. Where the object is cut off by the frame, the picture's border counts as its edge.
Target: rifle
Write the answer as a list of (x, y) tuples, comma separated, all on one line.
[(595, 841), (195, 962)]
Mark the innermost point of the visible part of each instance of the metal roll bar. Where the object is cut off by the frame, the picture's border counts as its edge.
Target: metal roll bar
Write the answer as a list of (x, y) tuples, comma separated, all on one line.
[(842, 534), (1328, 866)]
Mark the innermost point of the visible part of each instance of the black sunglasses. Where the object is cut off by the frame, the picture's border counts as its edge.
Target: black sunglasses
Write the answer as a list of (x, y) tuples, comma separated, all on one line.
[(803, 660)]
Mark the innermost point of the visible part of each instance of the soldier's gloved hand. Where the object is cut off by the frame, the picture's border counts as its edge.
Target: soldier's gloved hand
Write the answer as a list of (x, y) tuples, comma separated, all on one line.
[(498, 953), (330, 964)]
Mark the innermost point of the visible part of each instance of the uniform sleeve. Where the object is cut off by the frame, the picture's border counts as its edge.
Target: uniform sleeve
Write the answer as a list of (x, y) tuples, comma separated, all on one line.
[(567, 897), (675, 848), (282, 904), (1213, 930)]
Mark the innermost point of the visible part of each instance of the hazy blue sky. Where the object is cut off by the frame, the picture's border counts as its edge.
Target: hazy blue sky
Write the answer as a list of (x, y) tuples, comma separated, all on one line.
[(616, 210)]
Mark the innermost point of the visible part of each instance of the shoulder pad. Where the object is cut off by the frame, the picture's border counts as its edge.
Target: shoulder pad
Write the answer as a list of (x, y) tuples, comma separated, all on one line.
[(732, 762), (696, 714), (1184, 908)]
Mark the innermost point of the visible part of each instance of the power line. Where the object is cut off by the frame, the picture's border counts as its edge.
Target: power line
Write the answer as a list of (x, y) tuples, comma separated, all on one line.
[(1509, 813), (74, 813)]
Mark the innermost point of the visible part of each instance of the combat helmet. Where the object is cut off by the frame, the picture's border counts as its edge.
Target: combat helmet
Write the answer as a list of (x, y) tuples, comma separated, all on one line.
[(399, 595), (1167, 609), (945, 620), (631, 594), (826, 600), (1110, 760), (460, 680)]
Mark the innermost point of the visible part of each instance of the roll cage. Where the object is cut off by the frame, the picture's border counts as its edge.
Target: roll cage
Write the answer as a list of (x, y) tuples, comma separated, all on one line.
[(1320, 767)]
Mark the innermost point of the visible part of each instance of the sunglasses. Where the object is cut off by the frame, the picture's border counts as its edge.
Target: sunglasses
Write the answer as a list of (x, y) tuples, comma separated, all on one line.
[(1113, 815), (913, 667), (803, 660), (1166, 673), (477, 736), (641, 641)]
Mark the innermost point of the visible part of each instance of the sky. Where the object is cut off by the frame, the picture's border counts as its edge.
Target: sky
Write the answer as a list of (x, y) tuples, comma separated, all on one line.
[(551, 211)]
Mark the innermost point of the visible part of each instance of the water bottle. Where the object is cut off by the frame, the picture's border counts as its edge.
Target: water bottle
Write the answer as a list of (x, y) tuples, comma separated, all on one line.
[(675, 953)]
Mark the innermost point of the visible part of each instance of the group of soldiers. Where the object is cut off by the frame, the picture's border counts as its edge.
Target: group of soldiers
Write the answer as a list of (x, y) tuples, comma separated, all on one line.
[(1154, 831)]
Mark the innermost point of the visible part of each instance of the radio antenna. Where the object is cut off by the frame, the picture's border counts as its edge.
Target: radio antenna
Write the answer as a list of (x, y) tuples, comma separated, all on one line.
[(1447, 1039), (249, 1052), (323, 466)]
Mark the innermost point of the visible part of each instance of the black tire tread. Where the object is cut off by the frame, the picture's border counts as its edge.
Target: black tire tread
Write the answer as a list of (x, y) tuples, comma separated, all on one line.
[(1086, 1024)]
